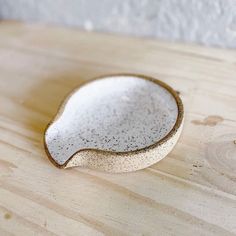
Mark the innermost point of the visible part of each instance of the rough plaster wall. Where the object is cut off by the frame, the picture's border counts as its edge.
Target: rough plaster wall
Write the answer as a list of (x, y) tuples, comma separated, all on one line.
[(209, 22)]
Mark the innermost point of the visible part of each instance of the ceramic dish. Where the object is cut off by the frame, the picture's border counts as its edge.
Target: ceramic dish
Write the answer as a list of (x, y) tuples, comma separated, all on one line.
[(115, 123)]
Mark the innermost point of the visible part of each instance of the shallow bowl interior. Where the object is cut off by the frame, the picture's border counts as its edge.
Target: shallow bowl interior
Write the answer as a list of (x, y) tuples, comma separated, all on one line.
[(114, 113)]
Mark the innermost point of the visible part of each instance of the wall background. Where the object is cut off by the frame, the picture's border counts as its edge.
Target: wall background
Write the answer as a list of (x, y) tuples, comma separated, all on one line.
[(208, 22)]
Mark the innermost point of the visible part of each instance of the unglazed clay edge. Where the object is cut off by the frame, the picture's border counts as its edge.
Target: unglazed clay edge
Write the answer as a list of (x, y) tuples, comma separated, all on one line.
[(117, 163)]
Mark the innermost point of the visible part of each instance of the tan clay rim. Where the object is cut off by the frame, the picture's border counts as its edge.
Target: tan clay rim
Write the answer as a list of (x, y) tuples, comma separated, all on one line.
[(158, 143)]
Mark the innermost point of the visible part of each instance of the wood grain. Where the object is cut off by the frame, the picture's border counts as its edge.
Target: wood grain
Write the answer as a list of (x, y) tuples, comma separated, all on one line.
[(190, 192)]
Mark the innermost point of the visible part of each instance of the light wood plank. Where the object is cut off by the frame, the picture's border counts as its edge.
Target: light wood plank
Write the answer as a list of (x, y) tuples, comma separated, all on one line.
[(190, 192)]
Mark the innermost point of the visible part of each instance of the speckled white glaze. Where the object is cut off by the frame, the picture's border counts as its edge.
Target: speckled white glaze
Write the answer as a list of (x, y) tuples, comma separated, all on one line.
[(110, 122)]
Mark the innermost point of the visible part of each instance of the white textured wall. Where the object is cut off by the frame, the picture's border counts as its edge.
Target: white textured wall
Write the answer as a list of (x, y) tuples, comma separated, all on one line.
[(210, 22)]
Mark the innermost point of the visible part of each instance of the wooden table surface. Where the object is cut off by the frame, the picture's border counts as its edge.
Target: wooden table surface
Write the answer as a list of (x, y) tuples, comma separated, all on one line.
[(190, 192)]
